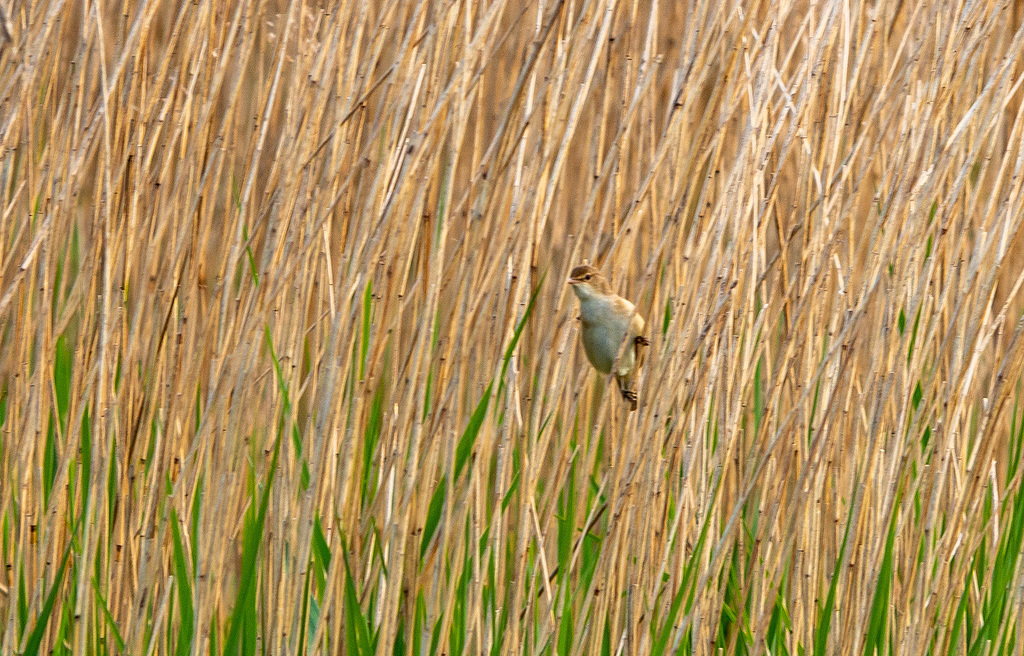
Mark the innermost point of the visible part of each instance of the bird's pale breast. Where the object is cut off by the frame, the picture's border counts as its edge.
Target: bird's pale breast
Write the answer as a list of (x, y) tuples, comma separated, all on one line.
[(603, 332)]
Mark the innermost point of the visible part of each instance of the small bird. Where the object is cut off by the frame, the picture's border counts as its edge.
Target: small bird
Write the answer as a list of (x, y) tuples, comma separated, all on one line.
[(612, 329)]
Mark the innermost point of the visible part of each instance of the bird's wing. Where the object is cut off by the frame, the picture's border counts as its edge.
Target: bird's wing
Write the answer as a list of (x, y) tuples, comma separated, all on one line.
[(625, 314), (636, 326)]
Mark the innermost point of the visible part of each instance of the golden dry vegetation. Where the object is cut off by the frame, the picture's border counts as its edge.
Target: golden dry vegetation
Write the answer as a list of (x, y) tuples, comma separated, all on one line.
[(288, 364)]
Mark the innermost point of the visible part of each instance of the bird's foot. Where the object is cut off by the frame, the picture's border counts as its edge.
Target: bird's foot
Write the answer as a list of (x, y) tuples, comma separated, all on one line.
[(630, 396), (642, 341)]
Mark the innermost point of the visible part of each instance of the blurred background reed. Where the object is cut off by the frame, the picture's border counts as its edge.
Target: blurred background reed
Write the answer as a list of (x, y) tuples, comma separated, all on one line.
[(288, 364)]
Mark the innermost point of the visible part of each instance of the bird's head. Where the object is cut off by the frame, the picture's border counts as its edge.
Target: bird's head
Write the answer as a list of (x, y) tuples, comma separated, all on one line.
[(588, 282)]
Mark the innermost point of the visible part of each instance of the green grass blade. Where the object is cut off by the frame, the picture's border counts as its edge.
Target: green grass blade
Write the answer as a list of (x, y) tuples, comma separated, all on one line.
[(371, 436), (418, 625), (250, 548), (321, 556), (364, 345), (357, 629), (22, 605), (35, 638), (468, 439), (1000, 588), (519, 330), (50, 459), (184, 585), (303, 617), (566, 630), (108, 618), (880, 604), (825, 614), (433, 514), (197, 507), (661, 643), (85, 449)]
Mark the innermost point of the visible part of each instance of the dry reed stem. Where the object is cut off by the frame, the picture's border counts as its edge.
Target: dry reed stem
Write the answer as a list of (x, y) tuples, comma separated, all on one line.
[(816, 207)]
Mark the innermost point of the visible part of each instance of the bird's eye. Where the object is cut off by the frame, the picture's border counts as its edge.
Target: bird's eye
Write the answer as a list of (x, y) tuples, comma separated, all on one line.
[(586, 277)]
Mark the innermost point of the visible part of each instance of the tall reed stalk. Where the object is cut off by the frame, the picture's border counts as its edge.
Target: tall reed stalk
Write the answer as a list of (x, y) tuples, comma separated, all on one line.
[(288, 364)]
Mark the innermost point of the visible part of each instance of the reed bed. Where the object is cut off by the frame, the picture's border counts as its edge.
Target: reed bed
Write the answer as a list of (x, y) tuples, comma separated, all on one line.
[(288, 364)]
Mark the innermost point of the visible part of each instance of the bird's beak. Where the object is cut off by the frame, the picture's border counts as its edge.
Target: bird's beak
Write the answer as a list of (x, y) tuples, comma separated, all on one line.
[(573, 281)]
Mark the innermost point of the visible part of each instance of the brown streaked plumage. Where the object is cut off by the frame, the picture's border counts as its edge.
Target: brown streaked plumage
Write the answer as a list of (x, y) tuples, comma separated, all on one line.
[(612, 329)]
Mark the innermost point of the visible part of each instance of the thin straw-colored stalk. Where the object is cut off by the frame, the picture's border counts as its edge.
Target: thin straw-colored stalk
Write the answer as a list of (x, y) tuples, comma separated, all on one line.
[(287, 363)]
